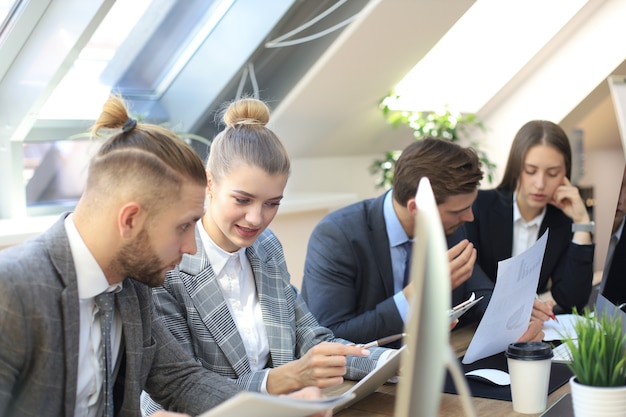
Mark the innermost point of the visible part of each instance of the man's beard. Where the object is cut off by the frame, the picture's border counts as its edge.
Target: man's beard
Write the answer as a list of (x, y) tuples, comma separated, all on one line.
[(138, 260)]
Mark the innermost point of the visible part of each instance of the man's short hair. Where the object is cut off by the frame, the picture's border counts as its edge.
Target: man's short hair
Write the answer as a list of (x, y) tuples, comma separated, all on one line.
[(451, 169), (148, 161)]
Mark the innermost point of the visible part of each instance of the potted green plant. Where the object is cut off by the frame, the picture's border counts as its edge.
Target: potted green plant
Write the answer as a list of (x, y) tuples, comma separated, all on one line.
[(445, 123), (598, 362)]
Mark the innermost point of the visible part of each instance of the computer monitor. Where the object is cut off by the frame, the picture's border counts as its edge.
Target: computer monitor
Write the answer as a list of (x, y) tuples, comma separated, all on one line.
[(423, 362), (612, 295)]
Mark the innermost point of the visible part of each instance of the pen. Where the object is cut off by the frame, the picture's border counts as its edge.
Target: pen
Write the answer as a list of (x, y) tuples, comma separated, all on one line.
[(552, 316), (383, 341)]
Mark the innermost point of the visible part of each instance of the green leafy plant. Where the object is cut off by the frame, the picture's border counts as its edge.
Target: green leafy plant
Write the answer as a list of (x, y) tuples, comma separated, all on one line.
[(597, 353), (445, 123)]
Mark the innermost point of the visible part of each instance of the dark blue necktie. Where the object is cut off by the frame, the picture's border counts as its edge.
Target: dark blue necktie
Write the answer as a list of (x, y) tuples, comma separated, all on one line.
[(105, 303), (408, 247)]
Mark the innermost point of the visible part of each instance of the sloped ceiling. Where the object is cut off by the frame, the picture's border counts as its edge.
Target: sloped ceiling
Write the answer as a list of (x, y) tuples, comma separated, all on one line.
[(333, 110), (324, 93)]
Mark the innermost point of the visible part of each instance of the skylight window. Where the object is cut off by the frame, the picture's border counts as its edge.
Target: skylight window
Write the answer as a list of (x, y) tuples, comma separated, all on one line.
[(8, 8), (5, 8), (481, 53), (81, 92)]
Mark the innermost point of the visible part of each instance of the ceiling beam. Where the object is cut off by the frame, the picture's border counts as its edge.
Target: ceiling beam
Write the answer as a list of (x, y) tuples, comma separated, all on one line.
[(220, 57)]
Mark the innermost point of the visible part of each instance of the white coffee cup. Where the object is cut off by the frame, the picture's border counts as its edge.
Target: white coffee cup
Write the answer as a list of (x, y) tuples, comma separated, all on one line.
[(529, 368)]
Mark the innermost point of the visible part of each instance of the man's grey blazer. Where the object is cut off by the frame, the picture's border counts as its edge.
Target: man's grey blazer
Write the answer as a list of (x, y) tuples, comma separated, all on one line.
[(39, 337), (348, 276)]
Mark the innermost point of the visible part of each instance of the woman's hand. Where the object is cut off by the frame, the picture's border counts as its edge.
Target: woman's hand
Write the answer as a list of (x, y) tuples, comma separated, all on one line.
[(568, 199), (324, 365), (534, 333), (543, 310)]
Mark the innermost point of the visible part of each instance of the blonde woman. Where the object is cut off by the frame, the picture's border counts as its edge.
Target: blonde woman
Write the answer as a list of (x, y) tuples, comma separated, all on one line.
[(231, 305)]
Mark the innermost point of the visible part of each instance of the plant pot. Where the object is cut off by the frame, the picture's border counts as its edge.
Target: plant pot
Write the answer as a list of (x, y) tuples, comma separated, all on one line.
[(591, 401)]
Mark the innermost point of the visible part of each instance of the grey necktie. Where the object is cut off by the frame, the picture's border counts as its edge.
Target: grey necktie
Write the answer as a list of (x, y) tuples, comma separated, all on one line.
[(408, 247), (106, 302)]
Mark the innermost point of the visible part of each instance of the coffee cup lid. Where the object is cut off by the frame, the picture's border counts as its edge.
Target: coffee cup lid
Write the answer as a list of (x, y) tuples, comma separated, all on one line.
[(529, 351)]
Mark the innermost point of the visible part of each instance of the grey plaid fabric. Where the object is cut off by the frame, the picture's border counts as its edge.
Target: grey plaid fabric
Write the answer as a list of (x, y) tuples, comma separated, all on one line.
[(39, 340), (106, 304), (192, 307)]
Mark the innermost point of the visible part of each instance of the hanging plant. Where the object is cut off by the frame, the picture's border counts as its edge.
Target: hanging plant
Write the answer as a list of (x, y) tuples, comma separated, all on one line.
[(445, 124)]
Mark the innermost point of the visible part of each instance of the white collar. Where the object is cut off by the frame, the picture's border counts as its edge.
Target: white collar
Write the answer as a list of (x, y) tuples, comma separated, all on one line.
[(89, 276), (218, 257)]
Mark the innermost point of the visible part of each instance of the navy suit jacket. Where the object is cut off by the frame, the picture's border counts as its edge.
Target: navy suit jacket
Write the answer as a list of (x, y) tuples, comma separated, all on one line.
[(39, 337), (569, 265), (348, 277)]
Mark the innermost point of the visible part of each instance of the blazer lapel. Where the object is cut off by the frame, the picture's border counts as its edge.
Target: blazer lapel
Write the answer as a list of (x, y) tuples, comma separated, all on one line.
[(501, 228), (274, 305), (377, 235), (201, 283), (61, 257)]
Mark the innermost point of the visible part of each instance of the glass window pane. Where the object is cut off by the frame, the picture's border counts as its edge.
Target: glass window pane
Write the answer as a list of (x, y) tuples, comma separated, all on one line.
[(81, 92), (5, 8), (55, 172), (8, 10)]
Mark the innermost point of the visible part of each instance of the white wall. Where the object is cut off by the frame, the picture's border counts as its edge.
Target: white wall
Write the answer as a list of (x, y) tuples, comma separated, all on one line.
[(293, 230), (334, 175)]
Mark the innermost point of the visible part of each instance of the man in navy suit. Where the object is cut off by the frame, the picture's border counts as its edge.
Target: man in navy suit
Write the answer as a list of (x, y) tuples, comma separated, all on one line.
[(354, 270)]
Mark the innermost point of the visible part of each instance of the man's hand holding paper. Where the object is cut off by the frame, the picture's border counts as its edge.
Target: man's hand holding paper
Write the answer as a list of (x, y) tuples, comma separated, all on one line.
[(509, 312)]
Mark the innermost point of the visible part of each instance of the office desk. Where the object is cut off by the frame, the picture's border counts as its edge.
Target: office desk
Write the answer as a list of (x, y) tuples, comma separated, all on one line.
[(381, 403)]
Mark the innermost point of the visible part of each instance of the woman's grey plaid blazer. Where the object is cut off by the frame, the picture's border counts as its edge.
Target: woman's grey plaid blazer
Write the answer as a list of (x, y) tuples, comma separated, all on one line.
[(193, 308)]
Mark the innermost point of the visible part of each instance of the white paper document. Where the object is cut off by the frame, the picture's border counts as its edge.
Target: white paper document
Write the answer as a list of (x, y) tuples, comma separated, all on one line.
[(564, 327), (255, 404), (508, 313)]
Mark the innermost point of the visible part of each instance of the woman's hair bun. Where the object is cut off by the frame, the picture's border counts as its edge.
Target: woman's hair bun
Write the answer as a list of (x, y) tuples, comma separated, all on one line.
[(247, 111)]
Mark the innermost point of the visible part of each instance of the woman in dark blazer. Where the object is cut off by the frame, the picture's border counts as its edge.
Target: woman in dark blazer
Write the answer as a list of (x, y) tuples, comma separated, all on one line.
[(536, 195)]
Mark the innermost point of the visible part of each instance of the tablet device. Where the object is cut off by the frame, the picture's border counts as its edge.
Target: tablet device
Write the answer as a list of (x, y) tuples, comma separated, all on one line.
[(372, 381)]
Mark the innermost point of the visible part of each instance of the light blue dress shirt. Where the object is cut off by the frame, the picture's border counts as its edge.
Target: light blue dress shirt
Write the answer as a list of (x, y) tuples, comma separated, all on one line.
[(397, 236)]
